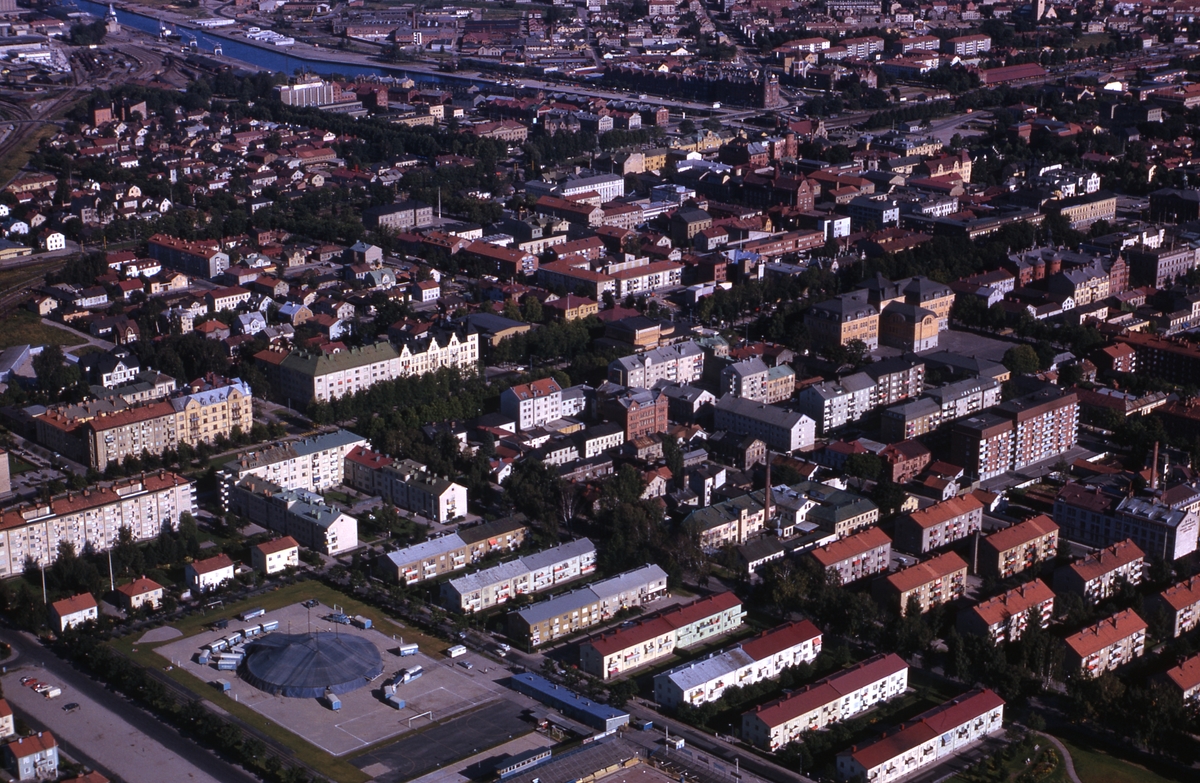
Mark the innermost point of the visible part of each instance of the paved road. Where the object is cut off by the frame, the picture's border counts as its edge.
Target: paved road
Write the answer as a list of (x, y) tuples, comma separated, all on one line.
[(108, 730)]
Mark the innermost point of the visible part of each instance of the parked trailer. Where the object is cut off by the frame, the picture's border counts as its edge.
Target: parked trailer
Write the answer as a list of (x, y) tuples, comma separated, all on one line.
[(251, 614), (333, 700), (456, 651), (222, 685), (409, 649), (252, 631), (234, 638), (227, 666), (218, 645), (205, 657), (270, 625), (50, 691), (408, 675), (362, 622)]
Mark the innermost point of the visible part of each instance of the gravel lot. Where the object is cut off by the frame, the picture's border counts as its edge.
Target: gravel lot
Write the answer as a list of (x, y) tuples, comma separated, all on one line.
[(100, 734)]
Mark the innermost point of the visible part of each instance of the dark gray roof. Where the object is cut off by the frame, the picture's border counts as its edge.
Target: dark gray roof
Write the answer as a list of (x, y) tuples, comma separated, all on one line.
[(304, 666)]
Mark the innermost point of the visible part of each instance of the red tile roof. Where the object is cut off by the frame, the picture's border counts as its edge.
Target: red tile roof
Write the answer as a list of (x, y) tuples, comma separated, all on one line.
[(139, 586), (1182, 595), (1021, 533), (777, 640), (1019, 599), (35, 743), (946, 510), (923, 573), (1108, 559), (1106, 633), (1187, 674), (928, 726), (76, 603), (212, 564), (828, 689), (278, 545), (663, 622), (850, 546)]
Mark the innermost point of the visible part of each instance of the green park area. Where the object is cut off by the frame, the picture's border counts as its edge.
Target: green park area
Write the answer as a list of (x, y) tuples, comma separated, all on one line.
[(25, 328)]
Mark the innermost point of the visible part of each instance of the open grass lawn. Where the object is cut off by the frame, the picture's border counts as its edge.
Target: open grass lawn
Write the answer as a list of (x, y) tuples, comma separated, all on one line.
[(11, 165), (1045, 763), (17, 466), (1093, 765), (84, 350), (25, 328), (336, 769)]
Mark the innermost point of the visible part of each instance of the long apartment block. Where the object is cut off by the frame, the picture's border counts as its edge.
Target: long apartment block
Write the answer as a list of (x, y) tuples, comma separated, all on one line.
[(406, 484), (588, 606), (659, 635), (927, 739), (525, 575), (91, 520), (762, 658), (833, 699), (450, 553)]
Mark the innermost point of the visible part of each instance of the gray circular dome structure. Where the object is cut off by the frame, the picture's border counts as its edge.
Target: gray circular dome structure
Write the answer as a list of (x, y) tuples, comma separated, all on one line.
[(304, 666)]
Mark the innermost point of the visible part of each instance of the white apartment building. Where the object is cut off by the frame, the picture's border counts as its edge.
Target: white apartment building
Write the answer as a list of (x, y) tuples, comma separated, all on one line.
[(73, 611), (1182, 604), (406, 484), (927, 739), (325, 376), (832, 404), (762, 658), (680, 364), (205, 575), (835, 698), (311, 464), (782, 430), (91, 520), (523, 576), (532, 404), (746, 379)]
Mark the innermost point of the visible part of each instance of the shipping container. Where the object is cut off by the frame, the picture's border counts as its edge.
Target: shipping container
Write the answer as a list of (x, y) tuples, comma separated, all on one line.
[(222, 685), (397, 703), (333, 700)]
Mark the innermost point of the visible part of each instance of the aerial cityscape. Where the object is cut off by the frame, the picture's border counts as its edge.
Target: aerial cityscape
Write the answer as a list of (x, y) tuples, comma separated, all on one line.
[(581, 391)]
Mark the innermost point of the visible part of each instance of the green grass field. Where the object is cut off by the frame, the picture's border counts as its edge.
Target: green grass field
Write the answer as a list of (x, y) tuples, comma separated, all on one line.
[(25, 328), (1095, 766), (17, 466)]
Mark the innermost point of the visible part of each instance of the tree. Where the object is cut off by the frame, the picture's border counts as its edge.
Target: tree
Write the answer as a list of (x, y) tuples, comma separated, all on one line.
[(1021, 360), (864, 467), (687, 127), (52, 372)]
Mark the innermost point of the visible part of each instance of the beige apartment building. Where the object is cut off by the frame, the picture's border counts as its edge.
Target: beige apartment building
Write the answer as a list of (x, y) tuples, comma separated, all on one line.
[(1110, 643), (856, 556), (1097, 576), (1182, 604), (932, 583), (942, 523), (1012, 550), (1005, 617), (438, 556)]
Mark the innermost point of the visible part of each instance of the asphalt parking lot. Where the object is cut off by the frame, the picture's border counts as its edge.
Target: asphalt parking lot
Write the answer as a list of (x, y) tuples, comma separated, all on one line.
[(100, 734)]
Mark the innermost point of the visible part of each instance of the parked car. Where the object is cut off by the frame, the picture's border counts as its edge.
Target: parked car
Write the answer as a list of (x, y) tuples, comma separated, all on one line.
[(72, 707)]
